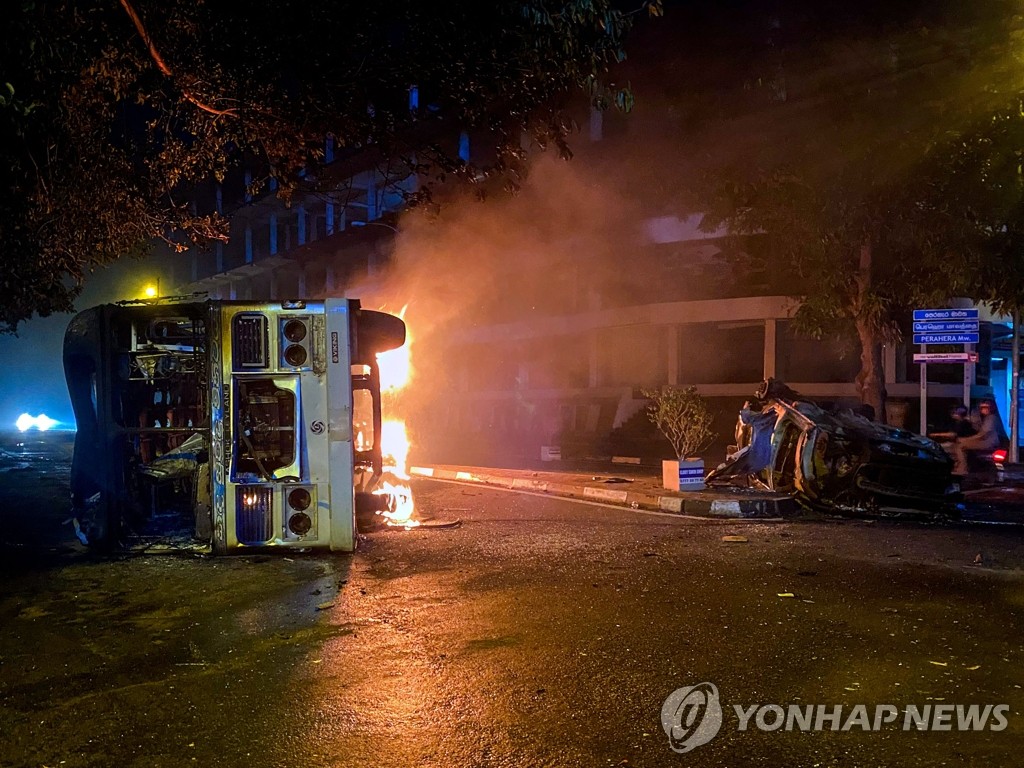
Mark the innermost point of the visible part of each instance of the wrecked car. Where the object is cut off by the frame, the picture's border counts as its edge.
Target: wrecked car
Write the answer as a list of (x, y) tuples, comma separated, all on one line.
[(834, 460)]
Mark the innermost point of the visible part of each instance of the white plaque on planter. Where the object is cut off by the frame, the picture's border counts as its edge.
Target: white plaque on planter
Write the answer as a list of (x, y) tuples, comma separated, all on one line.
[(691, 475), (687, 475)]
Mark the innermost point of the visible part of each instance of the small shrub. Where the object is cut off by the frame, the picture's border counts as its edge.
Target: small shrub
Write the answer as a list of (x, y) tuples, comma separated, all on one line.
[(683, 417)]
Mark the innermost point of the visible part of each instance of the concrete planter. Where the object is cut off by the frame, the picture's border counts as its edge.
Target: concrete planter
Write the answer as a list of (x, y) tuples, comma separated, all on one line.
[(686, 475)]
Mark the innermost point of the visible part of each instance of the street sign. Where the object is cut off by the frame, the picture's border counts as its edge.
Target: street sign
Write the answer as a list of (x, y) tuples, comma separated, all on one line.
[(945, 314), (954, 326), (946, 338), (945, 326), (946, 357)]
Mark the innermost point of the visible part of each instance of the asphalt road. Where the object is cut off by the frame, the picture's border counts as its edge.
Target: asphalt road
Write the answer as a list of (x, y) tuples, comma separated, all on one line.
[(542, 632)]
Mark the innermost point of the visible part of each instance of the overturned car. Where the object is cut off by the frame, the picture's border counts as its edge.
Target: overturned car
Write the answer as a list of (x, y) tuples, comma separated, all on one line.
[(835, 460)]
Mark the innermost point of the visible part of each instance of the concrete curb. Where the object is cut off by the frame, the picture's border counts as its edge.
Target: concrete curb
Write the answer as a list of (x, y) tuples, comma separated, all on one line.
[(731, 508), (699, 505)]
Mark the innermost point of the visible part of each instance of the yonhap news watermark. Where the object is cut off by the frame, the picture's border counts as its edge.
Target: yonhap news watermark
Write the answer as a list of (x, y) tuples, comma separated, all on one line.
[(693, 715)]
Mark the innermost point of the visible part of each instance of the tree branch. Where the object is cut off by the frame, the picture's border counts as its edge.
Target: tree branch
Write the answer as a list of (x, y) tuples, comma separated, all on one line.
[(162, 65)]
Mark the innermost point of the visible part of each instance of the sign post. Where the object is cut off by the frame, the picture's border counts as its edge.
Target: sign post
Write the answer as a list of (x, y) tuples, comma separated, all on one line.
[(969, 374), (945, 326), (1015, 391), (924, 394)]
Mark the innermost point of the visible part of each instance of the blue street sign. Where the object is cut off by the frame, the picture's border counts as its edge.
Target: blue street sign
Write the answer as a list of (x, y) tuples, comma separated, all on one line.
[(952, 326), (945, 338), (945, 314)]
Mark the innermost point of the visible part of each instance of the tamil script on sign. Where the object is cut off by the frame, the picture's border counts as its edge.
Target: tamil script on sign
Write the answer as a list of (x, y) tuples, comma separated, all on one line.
[(959, 326)]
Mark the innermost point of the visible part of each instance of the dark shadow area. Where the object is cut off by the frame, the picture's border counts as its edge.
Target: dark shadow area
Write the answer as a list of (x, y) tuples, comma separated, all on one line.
[(35, 531)]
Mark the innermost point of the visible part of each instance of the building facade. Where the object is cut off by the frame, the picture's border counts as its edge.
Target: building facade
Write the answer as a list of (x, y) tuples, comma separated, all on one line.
[(571, 369)]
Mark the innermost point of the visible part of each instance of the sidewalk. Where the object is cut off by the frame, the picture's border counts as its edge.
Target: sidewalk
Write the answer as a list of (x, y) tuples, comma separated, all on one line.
[(638, 487), (630, 487)]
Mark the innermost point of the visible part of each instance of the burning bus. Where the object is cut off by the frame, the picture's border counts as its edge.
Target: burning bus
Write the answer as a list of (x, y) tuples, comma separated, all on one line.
[(249, 425)]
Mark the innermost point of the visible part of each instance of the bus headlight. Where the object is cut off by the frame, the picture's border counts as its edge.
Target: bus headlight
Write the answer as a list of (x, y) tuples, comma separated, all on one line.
[(295, 355), (299, 499), (300, 523)]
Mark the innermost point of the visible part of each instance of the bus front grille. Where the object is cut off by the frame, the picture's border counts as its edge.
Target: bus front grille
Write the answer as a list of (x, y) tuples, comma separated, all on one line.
[(249, 341)]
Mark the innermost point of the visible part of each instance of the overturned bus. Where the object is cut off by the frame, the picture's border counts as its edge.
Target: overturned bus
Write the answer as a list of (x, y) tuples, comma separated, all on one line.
[(248, 425)]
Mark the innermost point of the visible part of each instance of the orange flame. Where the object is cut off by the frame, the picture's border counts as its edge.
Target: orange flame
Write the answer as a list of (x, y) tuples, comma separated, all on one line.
[(395, 368), (395, 372), (395, 446)]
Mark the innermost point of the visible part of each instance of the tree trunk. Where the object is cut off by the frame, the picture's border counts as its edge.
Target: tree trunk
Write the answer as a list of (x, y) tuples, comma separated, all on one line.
[(870, 380)]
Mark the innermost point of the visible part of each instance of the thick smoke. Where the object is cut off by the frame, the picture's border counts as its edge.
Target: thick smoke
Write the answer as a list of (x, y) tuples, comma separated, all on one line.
[(548, 251)]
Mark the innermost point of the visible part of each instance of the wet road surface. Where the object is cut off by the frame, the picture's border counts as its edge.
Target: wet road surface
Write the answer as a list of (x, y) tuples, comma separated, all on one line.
[(542, 632)]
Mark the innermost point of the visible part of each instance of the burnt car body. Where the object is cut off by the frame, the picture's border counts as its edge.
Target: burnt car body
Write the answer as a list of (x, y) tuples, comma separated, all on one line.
[(835, 460)]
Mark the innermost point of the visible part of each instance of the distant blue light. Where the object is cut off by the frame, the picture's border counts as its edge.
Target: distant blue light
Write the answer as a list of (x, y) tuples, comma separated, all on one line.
[(42, 422)]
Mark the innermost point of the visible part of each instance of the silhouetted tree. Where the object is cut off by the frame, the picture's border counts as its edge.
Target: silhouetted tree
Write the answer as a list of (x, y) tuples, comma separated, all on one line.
[(977, 184), (842, 182), (111, 110)]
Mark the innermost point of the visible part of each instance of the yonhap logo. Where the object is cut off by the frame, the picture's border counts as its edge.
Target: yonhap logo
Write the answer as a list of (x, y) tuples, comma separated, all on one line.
[(691, 716)]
